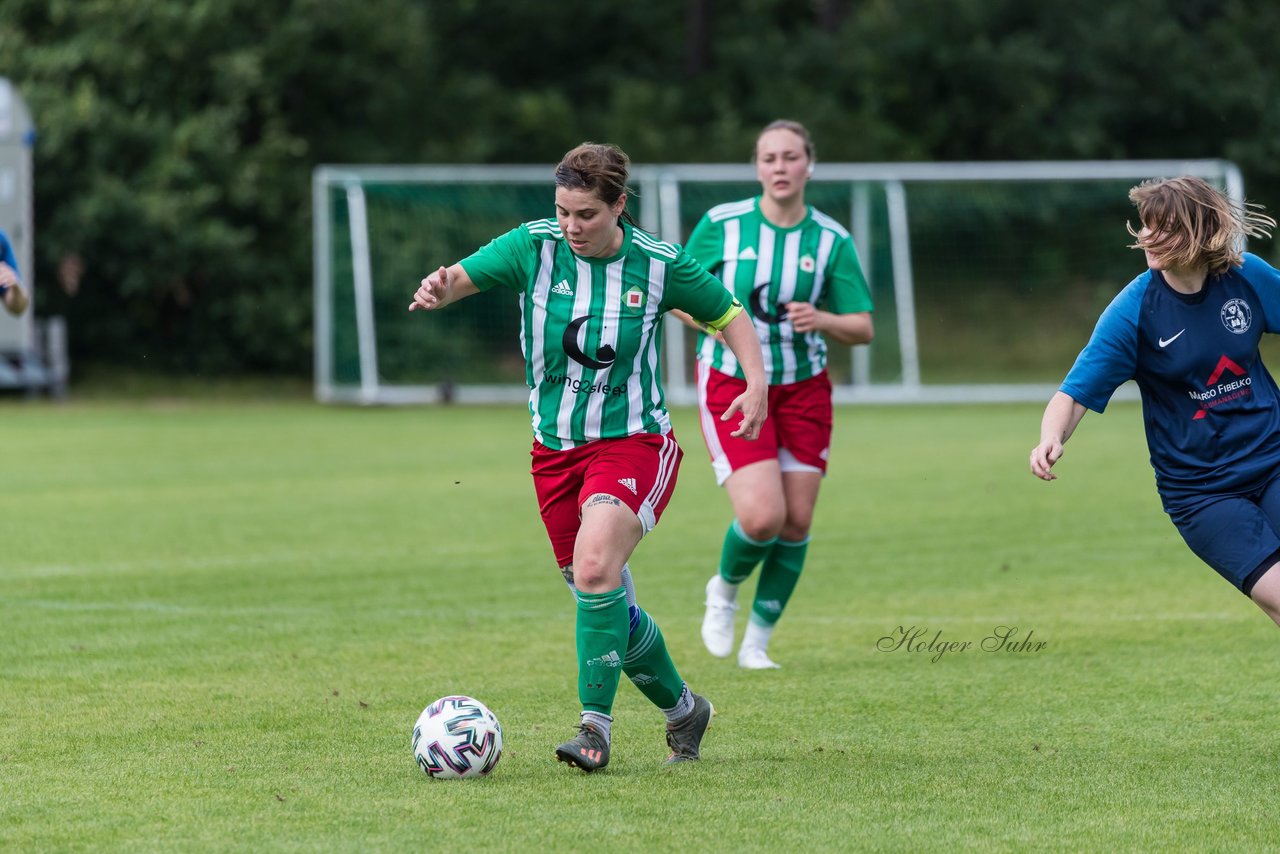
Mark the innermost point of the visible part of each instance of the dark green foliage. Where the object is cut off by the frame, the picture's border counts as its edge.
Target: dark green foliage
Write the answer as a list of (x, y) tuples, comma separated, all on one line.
[(175, 148), (177, 137)]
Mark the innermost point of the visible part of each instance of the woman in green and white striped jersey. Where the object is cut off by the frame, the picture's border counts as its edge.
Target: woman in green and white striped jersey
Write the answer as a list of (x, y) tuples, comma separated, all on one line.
[(796, 270), (593, 288)]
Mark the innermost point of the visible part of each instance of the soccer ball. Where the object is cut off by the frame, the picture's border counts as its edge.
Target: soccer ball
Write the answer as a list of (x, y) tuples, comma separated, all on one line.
[(457, 737)]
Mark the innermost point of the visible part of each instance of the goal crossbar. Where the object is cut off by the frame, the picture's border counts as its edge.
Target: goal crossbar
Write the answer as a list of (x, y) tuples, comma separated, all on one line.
[(664, 185)]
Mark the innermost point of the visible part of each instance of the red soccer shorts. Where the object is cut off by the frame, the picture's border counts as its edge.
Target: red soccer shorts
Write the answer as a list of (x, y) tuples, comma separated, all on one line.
[(640, 471), (797, 432)]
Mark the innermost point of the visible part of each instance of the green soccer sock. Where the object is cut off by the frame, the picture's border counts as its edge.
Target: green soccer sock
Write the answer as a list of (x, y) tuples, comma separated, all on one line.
[(778, 579), (740, 554), (602, 630), (648, 664)]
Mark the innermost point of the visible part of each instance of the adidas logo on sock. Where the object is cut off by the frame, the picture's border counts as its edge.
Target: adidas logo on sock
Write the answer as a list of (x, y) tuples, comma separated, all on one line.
[(562, 288), (629, 483), (773, 606), (609, 659)]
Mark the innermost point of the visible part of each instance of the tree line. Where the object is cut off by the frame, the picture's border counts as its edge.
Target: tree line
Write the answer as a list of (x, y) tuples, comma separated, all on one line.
[(177, 137)]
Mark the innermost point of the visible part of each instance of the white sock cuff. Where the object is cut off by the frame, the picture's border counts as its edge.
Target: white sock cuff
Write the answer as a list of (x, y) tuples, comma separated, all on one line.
[(682, 708), (757, 633), (724, 589), (600, 721), (629, 585)]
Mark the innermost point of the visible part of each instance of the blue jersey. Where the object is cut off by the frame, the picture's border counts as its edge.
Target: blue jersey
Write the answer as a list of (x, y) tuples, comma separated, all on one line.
[(1211, 408), (7, 256)]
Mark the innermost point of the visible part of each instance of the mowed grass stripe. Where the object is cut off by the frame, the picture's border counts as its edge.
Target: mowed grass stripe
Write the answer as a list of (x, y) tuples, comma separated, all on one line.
[(219, 623)]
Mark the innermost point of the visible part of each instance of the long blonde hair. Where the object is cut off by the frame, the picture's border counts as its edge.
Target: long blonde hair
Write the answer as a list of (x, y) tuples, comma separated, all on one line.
[(1193, 225)]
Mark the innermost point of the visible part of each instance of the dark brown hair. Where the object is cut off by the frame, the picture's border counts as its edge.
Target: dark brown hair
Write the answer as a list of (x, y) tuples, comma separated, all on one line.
[(601, 168), (1193, 225)]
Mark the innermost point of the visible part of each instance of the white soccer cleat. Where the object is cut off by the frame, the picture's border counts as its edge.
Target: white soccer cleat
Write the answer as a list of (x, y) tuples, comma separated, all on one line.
[(717, 623), (755, 658)]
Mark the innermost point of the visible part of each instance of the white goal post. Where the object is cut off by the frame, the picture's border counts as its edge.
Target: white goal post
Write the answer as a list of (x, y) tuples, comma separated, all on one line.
[(1012, 235)]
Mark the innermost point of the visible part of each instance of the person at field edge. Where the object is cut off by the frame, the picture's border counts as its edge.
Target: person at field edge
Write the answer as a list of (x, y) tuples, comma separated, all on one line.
[(797, 271), (11, 292), (1187, 330), (593, 290)]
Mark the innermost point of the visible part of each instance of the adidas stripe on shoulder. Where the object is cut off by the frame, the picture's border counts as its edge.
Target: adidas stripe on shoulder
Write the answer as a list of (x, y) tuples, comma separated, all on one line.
[(729, 210), (828, 223), (654, 246), (545, 228)]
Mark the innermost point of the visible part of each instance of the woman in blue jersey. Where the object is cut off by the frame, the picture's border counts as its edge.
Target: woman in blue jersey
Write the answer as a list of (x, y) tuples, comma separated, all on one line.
[(12, 295), (593, 290), (1187, 331), (796, 270)]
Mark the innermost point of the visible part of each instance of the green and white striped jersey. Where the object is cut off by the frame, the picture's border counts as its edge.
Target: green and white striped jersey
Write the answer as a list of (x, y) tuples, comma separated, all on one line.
[(591, 328), (767, 267)]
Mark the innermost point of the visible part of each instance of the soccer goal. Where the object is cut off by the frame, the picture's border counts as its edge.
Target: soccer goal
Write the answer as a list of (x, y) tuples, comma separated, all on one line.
[(987, 277)]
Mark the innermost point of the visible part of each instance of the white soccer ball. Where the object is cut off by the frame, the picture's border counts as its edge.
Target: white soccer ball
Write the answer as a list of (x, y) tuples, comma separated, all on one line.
[(457, 737)]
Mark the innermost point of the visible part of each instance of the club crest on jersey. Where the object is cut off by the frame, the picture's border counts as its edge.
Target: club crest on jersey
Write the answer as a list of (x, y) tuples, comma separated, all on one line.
[(807, 264), (1236, 316), (633, 298)]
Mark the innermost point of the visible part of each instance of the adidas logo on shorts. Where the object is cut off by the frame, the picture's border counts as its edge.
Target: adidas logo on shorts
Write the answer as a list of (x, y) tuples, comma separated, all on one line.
[(629, 483)]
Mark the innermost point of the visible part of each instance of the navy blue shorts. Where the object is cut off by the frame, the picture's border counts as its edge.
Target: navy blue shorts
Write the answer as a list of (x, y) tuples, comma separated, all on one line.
[(1238, 533)]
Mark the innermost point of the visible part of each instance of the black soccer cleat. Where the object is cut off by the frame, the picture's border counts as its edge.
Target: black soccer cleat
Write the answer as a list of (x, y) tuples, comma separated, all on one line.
[(588, 750), (685, 737)]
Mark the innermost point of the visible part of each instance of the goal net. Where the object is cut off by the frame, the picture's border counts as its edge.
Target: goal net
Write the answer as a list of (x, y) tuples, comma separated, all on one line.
[(987, 277)]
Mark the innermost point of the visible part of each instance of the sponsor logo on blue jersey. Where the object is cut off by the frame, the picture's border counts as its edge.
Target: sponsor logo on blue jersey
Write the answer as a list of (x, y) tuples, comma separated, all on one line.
[(1218, 390)]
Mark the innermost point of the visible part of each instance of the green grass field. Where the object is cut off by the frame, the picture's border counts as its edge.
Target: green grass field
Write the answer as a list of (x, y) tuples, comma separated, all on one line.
[(218, 622)]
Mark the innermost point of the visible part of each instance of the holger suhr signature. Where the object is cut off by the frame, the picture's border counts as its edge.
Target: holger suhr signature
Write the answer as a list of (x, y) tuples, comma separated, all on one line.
[(917, 639)]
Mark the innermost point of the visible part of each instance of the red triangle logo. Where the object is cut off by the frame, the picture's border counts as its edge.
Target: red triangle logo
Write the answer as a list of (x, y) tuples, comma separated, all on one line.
[(1224, 364)]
